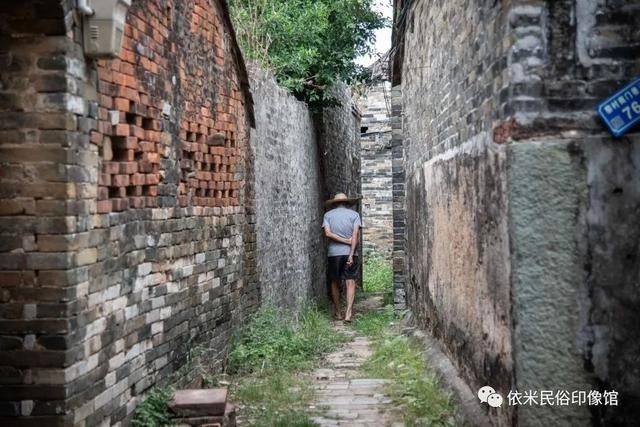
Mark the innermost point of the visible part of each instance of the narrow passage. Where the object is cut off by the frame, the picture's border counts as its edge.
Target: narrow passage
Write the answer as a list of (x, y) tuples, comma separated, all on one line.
[(344, 397)]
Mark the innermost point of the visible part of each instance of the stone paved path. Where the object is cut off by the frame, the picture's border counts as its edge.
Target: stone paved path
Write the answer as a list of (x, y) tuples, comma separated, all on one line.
[(343, 397)]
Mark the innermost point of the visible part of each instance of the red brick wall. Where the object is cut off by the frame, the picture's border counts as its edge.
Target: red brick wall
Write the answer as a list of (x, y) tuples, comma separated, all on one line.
[(126, 215), (157, 69)]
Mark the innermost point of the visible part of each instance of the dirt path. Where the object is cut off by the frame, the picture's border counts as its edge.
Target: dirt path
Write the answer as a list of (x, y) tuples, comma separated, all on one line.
[(343, 396)]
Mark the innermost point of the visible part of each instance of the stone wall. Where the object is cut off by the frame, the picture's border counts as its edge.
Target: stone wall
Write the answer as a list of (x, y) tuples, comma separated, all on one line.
[(375, 142), (289, 195), (127, 226), (576, 186), (339, 137), (520, 240), (457, 249)]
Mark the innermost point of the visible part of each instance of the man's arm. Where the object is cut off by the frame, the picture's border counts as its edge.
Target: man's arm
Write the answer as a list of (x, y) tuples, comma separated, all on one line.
[(354, 242), (333, 236)]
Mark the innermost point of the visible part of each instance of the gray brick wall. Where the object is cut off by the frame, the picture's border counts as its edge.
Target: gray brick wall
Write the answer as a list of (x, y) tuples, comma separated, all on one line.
[(399, 202), (375, 142), (339, 137), (289, 195), (449, 187), (338, 130)]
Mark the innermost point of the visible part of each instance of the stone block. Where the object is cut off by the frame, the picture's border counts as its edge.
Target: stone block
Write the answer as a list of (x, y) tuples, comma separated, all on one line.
[(199, 402), (227, 419)]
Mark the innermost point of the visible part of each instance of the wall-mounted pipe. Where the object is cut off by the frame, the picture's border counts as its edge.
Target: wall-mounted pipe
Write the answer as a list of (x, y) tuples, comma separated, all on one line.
[(84, 8)]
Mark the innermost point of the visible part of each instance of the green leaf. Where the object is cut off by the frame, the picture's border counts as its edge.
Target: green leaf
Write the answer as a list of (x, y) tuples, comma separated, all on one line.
[(309, 44)]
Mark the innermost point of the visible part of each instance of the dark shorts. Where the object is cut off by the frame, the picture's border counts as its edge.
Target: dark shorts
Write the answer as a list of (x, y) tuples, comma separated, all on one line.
[(339, 270)]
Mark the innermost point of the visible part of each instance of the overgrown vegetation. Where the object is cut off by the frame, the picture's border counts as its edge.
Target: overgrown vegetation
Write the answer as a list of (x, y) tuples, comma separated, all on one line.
[(271, 341), (279, 398), (266, 370), (269, 357), (374, 324), (153, 410), (412, 386), (309, 44), (377, 274)]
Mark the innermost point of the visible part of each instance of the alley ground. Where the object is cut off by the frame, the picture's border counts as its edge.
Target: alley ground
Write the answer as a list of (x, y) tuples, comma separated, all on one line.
[(346, 397), (374, 376)]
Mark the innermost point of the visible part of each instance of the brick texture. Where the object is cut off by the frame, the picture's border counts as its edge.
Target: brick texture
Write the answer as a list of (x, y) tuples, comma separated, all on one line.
[(127, 219), (515, 208), (290, 187), (377, 188)]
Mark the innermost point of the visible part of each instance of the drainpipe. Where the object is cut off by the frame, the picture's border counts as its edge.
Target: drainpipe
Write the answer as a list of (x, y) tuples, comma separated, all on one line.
[(84, 8)]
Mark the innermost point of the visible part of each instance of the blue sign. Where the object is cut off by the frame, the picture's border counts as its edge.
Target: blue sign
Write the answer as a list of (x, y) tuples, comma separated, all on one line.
[(622, 110)]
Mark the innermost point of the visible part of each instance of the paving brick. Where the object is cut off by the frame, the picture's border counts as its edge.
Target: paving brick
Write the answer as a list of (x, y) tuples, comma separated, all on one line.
[(342, 397)]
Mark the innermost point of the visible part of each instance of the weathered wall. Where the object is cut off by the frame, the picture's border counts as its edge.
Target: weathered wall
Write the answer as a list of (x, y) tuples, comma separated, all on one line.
[(127, 238), (521, 243), (399, 209), (577, 188), (289, 195), (457, 247), (339, 137), (375, 142)]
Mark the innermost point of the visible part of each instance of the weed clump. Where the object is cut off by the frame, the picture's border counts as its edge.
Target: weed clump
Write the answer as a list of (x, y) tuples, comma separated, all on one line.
[(271, 341), (377, 275), (269, 357), (413, 385), (153, 411)]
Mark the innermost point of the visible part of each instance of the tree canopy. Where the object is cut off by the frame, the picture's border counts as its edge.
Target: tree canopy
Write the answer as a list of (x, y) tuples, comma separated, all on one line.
[(308, 44)]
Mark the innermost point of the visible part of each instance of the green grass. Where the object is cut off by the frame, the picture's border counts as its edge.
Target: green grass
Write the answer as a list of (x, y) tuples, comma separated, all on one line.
[(153, 410), (278, 399), (266, 366), (413, 385), (377, 274), (271, 341), (268, 360), (374, 324)]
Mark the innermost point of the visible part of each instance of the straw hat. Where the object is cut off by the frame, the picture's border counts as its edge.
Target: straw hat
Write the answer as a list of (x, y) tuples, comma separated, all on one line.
[(341, 198)]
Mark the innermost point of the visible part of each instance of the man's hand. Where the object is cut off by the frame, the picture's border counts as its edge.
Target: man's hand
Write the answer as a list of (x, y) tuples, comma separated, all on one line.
[(333, 236), (350, 260)]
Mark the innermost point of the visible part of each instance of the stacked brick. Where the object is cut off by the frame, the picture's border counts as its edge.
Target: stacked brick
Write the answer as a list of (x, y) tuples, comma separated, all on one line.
[(132, 107), (208, 167), (130, 118), (399, 202)]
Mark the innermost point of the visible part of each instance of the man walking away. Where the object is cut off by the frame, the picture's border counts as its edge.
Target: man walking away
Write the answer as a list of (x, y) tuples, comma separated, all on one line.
[(342, 226)]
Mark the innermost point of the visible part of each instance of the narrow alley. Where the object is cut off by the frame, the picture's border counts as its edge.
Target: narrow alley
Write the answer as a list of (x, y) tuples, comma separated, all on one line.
[(176, 179), (346, 397)]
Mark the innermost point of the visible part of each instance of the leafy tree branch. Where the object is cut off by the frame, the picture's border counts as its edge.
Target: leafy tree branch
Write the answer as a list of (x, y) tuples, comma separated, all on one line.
[(308, 44)]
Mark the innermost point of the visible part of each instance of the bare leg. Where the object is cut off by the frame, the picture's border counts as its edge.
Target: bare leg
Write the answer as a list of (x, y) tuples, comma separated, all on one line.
[(351, 294), (335, 297)]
